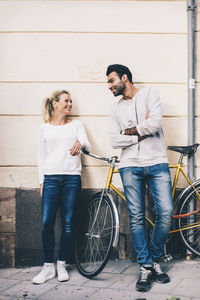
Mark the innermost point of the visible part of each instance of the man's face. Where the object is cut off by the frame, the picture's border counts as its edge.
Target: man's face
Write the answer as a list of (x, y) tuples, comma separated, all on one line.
[(115, 84)]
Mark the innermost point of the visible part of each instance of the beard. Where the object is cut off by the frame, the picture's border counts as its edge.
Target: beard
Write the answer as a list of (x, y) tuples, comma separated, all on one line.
[(119, 89)]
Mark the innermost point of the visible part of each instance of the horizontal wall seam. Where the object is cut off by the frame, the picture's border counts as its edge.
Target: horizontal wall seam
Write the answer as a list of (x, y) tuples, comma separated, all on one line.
[(35, 166), (100, 0), (86, 116), (18, 166), (85, 166), (94, 82), (89, 32)]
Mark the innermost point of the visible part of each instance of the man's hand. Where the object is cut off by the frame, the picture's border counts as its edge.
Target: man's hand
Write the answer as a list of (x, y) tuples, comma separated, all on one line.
[(130, 131), (133, 131), (76, 148), (140, 138)]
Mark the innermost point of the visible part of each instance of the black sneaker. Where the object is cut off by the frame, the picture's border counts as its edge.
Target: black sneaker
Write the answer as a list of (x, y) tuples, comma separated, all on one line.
[(145, 279), (159, 275)]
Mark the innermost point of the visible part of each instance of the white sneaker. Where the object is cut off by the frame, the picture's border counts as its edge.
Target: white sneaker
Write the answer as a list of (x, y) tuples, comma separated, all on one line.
[(48, 272), (61, 270)]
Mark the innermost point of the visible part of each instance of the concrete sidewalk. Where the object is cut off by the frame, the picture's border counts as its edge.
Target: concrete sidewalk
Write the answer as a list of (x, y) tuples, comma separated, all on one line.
[(117, 281)]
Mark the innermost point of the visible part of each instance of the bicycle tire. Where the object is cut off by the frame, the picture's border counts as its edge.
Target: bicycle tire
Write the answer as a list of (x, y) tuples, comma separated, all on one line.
[(93, 249), (191, 236)]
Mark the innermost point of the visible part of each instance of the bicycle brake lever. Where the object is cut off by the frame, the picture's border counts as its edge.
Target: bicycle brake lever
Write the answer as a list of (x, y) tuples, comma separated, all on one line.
[(84, 150)]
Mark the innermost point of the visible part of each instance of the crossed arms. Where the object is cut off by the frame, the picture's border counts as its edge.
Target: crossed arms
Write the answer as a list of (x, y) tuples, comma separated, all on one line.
[(149, 126)]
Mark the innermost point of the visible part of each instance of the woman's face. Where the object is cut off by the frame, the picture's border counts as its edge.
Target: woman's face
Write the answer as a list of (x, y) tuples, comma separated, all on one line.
[(64, 105)]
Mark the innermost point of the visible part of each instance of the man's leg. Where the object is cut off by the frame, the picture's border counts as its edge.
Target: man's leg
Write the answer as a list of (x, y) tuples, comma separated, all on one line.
[(159, 183), (134, 188)]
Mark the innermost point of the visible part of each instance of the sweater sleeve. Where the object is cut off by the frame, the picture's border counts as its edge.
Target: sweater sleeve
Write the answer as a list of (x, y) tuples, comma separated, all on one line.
[(82, 137), (154, 121), (116, 139), (41, 154)]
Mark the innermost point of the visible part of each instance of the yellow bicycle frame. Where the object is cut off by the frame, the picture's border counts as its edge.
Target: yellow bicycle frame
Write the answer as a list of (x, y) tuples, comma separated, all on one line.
[(179, 170)]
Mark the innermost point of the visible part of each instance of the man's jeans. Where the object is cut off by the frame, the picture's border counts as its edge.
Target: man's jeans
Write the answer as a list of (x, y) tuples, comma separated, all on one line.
[(63, 189), (157, 177)]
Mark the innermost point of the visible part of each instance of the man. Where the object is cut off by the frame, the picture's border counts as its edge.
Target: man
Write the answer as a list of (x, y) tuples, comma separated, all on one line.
[(135, 126)]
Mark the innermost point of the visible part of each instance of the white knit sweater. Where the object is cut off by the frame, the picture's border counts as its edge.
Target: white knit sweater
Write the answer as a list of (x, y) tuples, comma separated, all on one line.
[(129, 113), (53, 149)]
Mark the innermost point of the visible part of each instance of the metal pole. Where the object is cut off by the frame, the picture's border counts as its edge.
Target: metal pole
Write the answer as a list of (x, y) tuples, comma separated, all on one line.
[(191, 84)]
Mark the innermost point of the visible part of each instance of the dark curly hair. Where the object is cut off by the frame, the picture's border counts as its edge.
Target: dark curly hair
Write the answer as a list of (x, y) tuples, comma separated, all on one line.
[(120, 70)]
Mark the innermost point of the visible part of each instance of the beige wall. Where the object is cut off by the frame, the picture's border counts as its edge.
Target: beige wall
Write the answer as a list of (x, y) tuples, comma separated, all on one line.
[(48, 45)]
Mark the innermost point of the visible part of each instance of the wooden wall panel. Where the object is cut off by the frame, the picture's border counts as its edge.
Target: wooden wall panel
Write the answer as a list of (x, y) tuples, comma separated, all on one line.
[(84, 57), (88, 98), (49, 45), (19, 138), (96, 16), (92, 177)]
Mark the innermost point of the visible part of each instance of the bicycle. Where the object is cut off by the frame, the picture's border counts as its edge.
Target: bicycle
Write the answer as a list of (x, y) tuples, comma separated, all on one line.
[(98, 229)]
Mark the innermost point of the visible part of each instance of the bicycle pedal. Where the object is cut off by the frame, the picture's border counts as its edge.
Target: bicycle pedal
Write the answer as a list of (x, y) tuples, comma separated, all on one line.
[(167, 257)]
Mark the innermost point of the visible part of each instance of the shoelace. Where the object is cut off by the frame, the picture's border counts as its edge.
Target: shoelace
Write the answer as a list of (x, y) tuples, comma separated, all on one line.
[(157, 268), (144, 273)]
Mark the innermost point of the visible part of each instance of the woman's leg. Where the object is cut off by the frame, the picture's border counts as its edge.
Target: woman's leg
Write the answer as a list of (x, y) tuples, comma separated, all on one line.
[(71, 185), (50, 198)]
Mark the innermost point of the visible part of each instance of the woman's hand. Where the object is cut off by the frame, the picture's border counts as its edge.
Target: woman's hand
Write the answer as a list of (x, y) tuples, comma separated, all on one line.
[(76, 148), (41, 189)]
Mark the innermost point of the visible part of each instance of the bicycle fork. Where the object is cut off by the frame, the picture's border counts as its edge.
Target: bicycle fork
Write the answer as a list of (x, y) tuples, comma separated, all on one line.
[(116, 217), (90, 234)]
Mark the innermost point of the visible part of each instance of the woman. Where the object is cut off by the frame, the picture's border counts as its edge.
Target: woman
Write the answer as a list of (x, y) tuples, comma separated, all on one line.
[(59, 165)]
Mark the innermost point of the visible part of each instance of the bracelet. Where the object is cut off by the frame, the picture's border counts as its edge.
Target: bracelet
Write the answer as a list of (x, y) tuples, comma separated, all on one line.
[(123, 132)]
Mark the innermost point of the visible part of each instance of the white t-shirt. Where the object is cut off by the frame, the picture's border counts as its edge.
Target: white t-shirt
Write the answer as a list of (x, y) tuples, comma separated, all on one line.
[(54, 147)]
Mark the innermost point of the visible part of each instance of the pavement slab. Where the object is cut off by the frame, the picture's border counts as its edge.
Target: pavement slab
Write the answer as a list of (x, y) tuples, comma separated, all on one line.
[(6, 284), (123, 282), (188, 287), (27, 290), (9, 272), (116, 282), (103, 280), (158, 288), (3, 297), (68, 292), (111, 294), (117, 266)]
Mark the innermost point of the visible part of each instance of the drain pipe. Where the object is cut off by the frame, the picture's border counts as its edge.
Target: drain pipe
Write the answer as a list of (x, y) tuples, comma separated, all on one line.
[(191, 5)]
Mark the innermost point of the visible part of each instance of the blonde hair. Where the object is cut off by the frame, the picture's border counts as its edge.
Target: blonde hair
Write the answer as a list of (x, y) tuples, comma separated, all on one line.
[(47, 106)]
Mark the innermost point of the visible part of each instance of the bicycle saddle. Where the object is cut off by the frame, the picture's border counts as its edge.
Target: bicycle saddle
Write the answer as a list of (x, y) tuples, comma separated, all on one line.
[(185, 150)]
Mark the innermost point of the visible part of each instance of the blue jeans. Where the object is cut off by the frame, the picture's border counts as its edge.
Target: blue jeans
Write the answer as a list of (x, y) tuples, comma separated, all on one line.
[(158, 179), (63, 189)]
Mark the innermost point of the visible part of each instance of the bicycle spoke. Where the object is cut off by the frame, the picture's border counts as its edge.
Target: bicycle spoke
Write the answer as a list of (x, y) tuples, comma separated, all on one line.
[(190, 224), (94, 237)]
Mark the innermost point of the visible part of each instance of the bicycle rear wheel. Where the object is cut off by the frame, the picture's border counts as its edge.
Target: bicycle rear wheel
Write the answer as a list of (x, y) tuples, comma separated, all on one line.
[(95, 233), (190, 223)]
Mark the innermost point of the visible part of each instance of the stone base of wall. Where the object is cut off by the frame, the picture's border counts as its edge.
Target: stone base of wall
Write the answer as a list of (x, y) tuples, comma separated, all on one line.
[(28, 248), (20, 229), (7, 227)]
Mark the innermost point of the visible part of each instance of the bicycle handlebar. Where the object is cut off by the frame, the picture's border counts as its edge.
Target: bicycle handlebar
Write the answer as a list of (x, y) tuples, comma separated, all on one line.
[(109, 160)]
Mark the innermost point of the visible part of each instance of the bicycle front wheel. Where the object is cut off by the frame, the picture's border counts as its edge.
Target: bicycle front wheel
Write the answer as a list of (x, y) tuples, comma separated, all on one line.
[(189, 224), (94, 236)]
